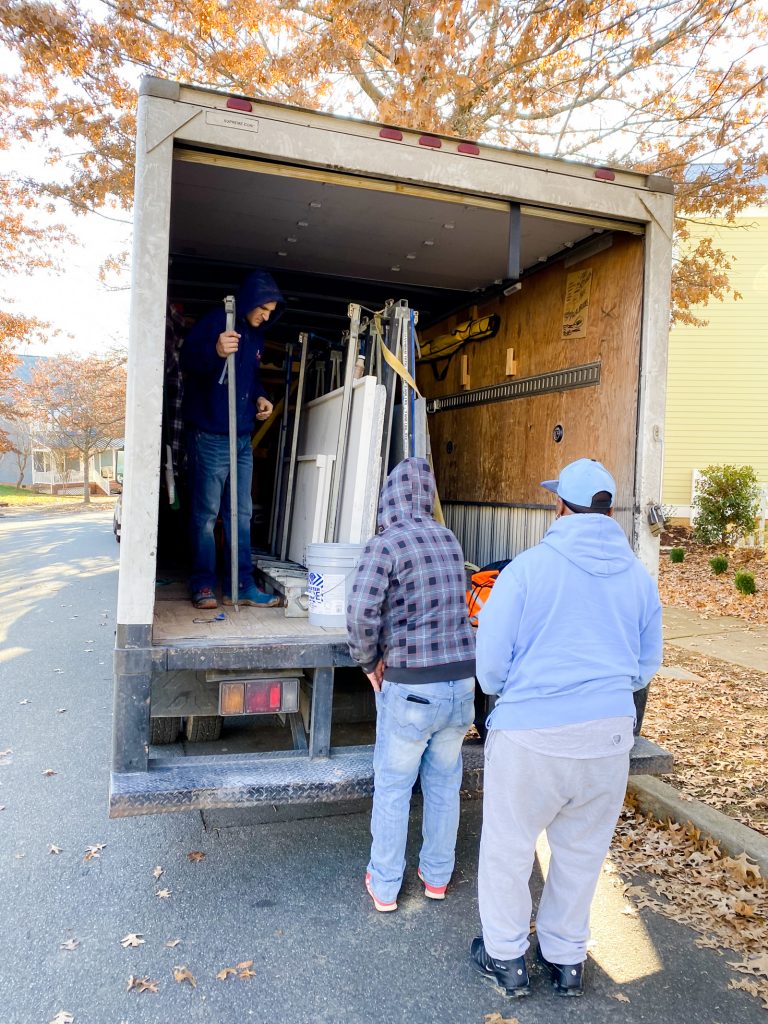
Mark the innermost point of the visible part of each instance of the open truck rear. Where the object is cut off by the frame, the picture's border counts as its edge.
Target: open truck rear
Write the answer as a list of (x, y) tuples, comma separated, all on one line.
[(562, 272)]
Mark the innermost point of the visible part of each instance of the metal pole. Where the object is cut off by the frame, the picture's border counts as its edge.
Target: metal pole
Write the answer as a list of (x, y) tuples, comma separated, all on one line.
[(229, 309), (332, 532), (304, 342)]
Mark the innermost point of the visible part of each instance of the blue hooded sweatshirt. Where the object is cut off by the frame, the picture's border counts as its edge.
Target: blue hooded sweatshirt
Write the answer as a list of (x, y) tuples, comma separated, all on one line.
[(205, 399), (570, 629)]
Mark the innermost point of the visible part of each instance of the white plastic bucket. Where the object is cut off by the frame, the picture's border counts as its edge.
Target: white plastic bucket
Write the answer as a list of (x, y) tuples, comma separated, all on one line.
[(330, 569)]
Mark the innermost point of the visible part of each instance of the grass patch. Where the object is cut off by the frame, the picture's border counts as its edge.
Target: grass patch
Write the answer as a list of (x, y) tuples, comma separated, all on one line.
[(25, 496)]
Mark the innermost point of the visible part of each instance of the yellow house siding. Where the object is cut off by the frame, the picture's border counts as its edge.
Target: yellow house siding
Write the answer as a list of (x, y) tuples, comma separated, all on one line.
[(717, 391)]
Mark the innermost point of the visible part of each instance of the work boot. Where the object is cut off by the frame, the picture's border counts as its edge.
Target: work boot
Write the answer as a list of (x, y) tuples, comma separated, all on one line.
[(511, 975), (567, 979), (204, 598), (254, 598)]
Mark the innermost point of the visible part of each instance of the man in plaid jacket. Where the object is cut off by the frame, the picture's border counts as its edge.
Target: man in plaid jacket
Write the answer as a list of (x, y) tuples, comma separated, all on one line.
[(408, 629)]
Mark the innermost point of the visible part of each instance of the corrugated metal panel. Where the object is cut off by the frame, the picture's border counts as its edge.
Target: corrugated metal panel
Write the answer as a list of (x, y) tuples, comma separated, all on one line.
[(491, 532)]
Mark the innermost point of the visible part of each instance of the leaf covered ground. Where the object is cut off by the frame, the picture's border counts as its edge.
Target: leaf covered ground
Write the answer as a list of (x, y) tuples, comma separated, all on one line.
[(715, 727), (692, 584)]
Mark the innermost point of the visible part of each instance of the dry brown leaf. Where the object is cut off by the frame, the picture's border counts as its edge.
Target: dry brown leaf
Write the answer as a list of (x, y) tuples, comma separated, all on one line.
[(756, 965), (620, 997), (131, 940), (496, 1018), (163, 894), (92, 852), (53, 848), (62, 1017), (742, 868), (244, 965), (182, 974), (158, 871), (172, 943), (70, 945), (247, 974), (48, 772), (142, 984), (196, 855), (225, 973)]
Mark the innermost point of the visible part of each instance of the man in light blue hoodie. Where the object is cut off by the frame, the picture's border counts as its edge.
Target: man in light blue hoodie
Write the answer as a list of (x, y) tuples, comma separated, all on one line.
[(572, 627)]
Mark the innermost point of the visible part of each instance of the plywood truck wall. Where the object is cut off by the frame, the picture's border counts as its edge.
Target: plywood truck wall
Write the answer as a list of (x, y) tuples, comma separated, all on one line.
[(499, 452)]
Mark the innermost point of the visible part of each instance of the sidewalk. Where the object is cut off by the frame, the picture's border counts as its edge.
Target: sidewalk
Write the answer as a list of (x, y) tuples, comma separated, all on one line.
[(724, 637)]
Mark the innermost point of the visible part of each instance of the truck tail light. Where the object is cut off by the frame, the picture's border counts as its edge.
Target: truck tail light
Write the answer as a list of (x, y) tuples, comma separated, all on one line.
[(259, 697)]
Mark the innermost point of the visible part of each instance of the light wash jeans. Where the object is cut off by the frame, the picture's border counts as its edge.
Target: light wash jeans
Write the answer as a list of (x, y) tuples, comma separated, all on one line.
[(415, 739), (208, 456)]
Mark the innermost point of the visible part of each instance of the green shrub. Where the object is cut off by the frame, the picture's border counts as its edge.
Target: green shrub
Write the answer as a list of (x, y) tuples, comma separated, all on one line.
[(677, 555), (726, 503), (745, 582), (718, 564)]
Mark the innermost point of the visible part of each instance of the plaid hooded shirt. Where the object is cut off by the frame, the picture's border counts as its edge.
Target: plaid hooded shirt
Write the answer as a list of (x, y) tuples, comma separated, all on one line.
[(408, 601)]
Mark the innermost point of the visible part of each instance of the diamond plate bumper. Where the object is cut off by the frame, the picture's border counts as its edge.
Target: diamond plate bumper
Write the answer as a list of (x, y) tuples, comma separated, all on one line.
[(288, 777)]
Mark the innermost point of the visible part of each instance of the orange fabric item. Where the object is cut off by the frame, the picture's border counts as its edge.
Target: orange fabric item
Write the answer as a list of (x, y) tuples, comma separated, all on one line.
[(478, 592)]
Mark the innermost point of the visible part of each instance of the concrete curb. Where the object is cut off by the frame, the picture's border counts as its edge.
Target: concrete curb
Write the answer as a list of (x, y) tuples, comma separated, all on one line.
[(663, 801)]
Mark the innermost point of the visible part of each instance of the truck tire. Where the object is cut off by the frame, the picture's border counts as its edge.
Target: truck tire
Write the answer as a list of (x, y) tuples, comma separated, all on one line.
[(164, 730), (203, 728)]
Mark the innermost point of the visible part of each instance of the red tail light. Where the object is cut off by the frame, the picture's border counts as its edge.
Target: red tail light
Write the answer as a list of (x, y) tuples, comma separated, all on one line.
[(262, 696)]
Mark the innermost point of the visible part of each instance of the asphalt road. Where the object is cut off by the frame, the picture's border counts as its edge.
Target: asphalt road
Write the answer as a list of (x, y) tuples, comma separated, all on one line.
[(288, 896)]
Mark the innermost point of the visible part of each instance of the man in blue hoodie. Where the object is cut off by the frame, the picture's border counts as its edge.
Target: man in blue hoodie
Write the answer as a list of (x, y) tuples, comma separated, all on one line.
[(572, 627), (206, 414)]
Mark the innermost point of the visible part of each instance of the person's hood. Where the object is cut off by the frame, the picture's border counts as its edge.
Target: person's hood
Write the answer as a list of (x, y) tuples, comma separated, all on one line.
[(258, 288), (408, 493), (593, 542)]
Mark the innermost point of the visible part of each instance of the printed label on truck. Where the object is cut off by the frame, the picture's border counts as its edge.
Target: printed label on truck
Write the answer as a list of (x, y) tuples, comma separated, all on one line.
[(326, 593), (227, 120)]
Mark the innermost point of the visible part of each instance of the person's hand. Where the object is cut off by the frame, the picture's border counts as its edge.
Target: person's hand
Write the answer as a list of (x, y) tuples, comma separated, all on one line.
[(263, 408), (376, 678), (227, 343)]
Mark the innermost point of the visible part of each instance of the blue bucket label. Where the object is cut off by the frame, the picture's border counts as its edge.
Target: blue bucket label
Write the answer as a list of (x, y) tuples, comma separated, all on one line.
[(315, 587)]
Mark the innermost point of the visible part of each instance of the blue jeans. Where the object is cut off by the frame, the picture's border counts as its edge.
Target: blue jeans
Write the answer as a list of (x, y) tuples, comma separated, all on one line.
[(417, 739), (208, 456)]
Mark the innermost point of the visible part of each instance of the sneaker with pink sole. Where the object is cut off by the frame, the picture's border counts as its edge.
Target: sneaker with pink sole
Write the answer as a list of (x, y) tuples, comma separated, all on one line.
[(383, 908), (433, 892)]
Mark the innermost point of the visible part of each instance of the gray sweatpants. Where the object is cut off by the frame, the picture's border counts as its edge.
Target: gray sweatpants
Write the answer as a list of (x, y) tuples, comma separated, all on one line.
[(577, 801)]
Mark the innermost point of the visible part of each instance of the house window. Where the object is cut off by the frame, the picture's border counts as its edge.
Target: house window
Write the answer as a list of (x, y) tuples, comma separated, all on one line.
[(72, 464), (41, 461)]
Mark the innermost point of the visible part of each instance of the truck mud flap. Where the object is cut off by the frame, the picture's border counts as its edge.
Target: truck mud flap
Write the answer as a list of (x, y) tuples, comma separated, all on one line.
[(287, 777)]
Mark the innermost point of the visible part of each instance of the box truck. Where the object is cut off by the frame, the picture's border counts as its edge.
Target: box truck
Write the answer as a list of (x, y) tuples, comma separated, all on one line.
[(506, 311)]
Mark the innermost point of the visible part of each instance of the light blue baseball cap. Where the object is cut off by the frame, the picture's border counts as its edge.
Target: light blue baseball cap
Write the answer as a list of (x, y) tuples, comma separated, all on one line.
[(581, 482)]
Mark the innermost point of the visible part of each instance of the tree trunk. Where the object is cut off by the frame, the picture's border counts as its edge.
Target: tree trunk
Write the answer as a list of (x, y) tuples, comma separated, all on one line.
[(21, 462), (86, 477)]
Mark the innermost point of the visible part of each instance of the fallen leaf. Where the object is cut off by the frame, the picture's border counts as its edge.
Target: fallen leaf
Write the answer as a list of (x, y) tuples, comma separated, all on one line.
[(173, 943), (158, 871), (70, 945), (60, 711), (195, 855), (62, 1017), (142, 984), (47, 772), (757, 965), (244, 965), (496, 1018), (132, 939), (184, 974), (742, 867), (163, 894), (247, 974), (620, 997), (225, 972), (54, 849), (25, 701), (92, 852)]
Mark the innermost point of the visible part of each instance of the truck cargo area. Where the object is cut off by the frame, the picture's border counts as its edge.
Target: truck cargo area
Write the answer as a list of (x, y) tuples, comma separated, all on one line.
[(530, 322)]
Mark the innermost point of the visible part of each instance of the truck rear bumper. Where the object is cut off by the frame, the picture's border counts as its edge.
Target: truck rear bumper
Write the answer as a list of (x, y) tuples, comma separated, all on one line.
[(288, 777)]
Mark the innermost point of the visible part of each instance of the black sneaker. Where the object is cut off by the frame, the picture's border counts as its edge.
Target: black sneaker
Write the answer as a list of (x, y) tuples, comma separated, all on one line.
[(511, 975), (567, 979)]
